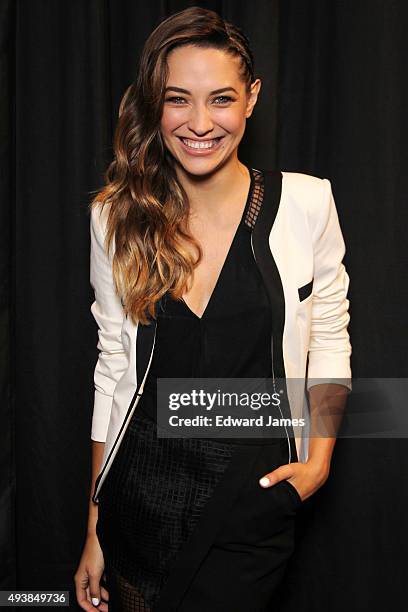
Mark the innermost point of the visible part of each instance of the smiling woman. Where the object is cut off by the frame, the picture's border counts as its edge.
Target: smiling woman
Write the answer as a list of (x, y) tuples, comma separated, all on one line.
[(197, 275)]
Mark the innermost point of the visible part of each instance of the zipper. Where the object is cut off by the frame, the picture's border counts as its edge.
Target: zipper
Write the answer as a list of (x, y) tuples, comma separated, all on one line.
[(125, 423), (273, 374)]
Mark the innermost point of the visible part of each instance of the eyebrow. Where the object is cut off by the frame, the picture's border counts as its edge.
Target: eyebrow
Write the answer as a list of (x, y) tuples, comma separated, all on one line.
[(215, 91)]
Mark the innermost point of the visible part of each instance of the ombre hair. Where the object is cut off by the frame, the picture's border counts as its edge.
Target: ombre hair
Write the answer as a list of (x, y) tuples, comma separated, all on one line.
[(148, 208)]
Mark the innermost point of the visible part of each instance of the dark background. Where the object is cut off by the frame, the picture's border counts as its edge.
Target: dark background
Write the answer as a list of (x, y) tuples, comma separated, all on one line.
[(333, 104)]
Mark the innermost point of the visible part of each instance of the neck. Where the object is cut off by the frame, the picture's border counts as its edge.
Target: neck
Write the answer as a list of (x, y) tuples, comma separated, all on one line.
[(217, 193)]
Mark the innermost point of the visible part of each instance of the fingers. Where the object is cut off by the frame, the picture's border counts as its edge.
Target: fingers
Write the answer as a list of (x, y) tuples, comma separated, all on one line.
[(103, 605), (89, 592), (82, 592), (104, 594), (95, 589), (281, 473)]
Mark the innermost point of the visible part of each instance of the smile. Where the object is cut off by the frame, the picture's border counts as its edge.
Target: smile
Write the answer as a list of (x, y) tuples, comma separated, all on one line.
[(205, 144), (201, 145)]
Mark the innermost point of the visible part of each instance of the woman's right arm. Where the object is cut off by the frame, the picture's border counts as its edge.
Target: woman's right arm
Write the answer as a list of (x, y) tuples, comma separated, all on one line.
[(112, 362)]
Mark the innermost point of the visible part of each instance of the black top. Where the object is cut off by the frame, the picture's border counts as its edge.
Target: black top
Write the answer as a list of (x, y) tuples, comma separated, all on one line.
[(232, 339)]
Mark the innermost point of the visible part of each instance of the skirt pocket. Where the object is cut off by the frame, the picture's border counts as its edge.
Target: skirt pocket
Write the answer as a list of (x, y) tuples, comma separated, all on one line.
[(293, 492), (260, 513)]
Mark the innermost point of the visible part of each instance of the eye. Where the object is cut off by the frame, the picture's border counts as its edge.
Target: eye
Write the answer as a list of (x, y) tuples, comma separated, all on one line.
[(225, 98), (174, 98)]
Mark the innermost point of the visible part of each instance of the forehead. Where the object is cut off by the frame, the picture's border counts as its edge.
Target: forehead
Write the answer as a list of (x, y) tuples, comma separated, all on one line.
[(202, 68)]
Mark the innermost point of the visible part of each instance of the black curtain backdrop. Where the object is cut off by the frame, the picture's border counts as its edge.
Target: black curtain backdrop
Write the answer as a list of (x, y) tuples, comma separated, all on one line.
[(333, 104)]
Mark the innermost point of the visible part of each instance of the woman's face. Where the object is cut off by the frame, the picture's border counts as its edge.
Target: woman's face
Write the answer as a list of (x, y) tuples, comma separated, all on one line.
[(202, 126)]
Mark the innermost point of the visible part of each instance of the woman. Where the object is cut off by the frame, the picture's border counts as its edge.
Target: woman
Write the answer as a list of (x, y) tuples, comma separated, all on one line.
[(203, 267)]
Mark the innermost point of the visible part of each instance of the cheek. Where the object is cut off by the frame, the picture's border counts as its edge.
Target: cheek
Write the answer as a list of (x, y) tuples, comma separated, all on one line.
[(233, 122), (170, 121), (165, 124)]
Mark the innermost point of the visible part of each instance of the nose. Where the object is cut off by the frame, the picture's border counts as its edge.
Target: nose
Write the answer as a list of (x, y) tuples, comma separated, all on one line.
[(199, 120)]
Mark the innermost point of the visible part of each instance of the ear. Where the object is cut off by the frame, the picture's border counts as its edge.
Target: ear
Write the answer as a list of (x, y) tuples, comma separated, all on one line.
[(253, 97)]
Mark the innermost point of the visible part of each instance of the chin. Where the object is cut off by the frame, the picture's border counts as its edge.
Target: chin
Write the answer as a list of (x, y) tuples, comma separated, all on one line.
[(200, 167)]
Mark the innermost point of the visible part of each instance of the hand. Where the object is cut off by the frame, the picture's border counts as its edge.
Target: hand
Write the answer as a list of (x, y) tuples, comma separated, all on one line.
[(307, 477), (88, 575)]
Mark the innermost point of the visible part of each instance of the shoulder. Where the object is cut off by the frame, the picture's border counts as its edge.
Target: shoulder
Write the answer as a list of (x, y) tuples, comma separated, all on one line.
[(308, 194), (307, 189), (299, 181), (98, 223), (98, 216)]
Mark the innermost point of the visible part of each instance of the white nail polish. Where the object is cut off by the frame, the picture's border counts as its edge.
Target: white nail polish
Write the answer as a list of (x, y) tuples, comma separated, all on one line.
[(264, 482), (95, 601)]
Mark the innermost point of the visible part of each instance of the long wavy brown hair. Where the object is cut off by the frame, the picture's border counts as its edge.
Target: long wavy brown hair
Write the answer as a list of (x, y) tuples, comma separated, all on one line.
[(148, 208)]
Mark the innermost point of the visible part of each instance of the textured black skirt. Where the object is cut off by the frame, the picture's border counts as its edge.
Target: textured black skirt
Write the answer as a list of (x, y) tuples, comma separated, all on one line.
[(184, 524)]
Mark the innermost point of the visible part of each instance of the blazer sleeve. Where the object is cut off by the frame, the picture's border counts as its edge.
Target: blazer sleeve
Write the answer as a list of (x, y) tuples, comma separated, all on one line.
[(329, 345), (108, 313)]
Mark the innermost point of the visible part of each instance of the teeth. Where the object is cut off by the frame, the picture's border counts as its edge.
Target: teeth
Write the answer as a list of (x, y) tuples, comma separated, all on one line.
[(200, 145)]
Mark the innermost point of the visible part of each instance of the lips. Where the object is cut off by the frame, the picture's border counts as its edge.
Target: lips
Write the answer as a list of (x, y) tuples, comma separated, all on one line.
[(200, 147)]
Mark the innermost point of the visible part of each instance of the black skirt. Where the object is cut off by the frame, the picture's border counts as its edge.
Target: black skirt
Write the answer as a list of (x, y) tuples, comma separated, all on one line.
[(183, 522), (187, 524)]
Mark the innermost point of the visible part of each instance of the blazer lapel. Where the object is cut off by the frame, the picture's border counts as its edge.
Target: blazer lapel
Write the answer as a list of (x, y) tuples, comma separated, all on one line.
[(267, 265), (273, 284)]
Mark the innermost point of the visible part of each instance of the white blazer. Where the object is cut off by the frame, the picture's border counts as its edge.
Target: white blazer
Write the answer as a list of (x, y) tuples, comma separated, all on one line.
[(299, 247)]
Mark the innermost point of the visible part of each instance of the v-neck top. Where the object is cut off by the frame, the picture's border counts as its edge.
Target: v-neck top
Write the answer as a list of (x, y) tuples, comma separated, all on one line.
[(232, 339)]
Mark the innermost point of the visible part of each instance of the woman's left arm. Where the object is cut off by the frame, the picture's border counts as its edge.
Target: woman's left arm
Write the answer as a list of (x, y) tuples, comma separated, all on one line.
[(329, 371)]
